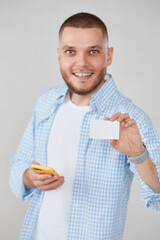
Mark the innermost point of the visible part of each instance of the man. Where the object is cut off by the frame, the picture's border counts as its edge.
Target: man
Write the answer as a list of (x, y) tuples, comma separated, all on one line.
[(91, 202)]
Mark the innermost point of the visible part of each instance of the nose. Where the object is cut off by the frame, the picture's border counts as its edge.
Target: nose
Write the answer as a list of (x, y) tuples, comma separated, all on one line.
[(82, 60)]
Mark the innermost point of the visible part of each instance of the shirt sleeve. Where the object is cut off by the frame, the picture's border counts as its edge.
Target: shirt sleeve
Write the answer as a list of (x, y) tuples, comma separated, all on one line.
[(151, 140), (21, 161)]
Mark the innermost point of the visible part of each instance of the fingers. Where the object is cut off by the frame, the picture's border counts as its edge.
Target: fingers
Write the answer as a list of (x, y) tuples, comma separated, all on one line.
[(45, 181), (106, 118), (52, 185), (39, 177), (130, 123), (120, 117), (123, 118)]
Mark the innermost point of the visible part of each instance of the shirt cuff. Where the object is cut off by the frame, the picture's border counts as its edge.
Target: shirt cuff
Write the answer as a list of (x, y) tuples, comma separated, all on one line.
[(147, 195), (16, 182)]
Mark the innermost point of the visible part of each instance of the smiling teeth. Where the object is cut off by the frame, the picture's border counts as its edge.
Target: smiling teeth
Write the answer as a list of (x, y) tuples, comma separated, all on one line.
[(82, 74)]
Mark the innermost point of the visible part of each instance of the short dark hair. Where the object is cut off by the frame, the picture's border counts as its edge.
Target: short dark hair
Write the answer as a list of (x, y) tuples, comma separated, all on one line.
[(84, 20)]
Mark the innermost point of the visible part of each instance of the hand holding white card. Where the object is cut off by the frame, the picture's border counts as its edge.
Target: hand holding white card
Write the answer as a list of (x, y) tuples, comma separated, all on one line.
[(103, 129)]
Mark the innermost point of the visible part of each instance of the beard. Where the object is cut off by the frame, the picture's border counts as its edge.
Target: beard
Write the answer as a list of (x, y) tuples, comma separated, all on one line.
[(95, 84)]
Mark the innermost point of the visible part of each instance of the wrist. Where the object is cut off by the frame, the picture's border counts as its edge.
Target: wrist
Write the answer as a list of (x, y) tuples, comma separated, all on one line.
[(139, 158), (138, 152)]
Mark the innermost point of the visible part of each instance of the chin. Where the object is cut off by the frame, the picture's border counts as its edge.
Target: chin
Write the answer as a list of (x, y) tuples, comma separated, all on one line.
[(84, 87)]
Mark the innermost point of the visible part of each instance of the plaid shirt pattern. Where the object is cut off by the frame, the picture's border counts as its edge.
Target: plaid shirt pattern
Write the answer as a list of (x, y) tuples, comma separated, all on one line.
[(103, 176)]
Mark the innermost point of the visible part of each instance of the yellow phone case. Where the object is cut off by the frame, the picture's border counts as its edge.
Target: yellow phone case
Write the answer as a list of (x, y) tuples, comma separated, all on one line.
[(42, 169)]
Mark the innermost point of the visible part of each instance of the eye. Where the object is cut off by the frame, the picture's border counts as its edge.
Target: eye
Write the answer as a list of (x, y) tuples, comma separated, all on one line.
[(94, 51), (69, 52)]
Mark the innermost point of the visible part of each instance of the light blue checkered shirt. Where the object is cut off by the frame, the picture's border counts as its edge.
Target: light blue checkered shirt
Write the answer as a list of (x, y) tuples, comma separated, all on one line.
[(103, 176)]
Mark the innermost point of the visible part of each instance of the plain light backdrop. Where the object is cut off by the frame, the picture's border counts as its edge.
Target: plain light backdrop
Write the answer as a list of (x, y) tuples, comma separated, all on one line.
[(29, 66)]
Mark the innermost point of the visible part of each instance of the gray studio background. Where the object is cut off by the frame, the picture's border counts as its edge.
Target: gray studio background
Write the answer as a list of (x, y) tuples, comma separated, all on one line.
[(28, 67)]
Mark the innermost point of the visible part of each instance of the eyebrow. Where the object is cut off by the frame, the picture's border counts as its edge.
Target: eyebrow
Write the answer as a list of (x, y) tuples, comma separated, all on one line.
[(66, 47), (95, 46), (90, 47)]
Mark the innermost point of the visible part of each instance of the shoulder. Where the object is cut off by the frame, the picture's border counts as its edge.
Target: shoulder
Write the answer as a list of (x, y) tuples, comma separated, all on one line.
[(51, 94), (48, 98), (125, 105)]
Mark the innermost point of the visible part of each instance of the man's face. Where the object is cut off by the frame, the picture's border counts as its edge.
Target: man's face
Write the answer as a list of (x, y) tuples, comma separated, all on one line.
[(83, 59)]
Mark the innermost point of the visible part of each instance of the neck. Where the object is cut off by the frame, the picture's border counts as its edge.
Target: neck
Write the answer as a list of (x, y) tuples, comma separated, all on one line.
[(80, 100), (83, 100)]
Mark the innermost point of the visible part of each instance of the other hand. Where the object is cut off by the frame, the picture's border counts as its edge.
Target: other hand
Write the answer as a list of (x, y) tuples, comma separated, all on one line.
[(130, 141), (44, 182)]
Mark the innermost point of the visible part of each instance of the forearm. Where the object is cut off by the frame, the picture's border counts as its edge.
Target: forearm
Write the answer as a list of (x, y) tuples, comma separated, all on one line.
[(148, 172)]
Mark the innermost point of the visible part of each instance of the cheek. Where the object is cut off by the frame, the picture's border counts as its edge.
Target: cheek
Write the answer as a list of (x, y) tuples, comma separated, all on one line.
[(100, 64), (66, 64)]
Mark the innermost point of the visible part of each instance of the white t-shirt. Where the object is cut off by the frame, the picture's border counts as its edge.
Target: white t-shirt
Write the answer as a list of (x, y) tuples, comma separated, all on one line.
[(62, 156)]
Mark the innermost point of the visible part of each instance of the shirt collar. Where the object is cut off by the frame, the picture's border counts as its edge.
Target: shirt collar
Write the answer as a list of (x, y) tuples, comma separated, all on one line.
[(103, 97), (61, 96)]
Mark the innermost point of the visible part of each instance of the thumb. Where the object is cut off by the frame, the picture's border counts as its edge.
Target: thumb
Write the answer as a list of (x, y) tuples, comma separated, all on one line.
[(113, 142)]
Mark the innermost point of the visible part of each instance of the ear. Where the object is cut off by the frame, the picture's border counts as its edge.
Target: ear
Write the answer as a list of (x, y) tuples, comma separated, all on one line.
[(109, 56), (58, 52)]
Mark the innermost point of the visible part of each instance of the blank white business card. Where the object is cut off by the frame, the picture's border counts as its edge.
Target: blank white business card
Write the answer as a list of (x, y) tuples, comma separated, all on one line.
[(103, 129)]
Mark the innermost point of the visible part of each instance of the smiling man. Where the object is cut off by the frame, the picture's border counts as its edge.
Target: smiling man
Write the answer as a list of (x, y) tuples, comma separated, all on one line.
[(91, 202), (83, 59)]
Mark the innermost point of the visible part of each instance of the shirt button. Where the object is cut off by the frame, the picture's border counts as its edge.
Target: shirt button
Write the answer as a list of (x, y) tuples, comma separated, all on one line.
[(52, 110)]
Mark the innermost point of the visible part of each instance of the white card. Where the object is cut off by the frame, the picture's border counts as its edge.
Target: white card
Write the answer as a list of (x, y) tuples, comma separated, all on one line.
[(103, 129)]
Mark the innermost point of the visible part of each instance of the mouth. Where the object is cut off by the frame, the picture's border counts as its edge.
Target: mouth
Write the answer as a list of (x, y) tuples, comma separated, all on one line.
[(83, 76)]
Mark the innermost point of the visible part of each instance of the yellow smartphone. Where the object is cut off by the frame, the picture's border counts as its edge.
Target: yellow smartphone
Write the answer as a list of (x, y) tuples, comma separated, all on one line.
[(43, 169)]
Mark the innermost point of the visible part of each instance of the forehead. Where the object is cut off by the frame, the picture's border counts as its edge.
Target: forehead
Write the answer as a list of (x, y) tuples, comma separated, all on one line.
[(81, 37)]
